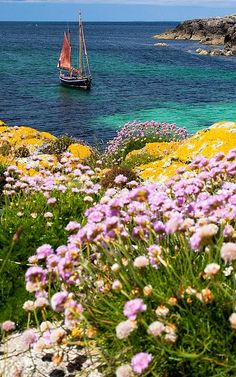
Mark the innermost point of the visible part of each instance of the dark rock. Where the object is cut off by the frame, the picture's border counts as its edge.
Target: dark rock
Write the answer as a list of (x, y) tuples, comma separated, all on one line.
[(230, 39), (57, 373), (76, 364), (47, 357), (210, 31)]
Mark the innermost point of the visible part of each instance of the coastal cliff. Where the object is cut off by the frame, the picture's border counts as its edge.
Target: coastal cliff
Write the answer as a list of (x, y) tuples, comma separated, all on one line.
[(209, 31)]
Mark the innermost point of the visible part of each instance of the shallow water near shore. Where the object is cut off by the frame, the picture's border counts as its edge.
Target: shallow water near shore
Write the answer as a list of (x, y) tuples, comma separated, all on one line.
[(132, 79)]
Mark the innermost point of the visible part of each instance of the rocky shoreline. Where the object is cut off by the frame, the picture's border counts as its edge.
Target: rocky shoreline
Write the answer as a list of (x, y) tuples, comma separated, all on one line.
[(219, 31)]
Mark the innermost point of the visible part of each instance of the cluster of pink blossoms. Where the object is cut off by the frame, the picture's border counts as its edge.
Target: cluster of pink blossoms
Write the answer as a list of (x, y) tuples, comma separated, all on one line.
[(199, 205), (68, 174), (151, 130)]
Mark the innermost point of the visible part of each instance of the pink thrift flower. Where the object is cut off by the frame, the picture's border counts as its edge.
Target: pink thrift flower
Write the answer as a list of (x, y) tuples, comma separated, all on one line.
[(124, 329), (120, 179), (44, 251), (141, 262), (29, 337), (58, 301), (141, 361), (228, 252), (8, 326), (156, 328), (212, 269), (133, 307), (73, 225)]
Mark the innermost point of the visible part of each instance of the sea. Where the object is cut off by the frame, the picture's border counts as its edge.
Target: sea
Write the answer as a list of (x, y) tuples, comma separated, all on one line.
[(132, 80)]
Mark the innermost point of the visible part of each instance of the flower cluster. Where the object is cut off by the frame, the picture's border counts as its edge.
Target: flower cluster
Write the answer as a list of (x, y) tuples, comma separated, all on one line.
[(134, 135), (144, 255)]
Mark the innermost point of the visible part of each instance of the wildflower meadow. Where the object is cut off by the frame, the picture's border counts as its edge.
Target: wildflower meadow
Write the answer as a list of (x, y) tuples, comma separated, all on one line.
[(142, 271)]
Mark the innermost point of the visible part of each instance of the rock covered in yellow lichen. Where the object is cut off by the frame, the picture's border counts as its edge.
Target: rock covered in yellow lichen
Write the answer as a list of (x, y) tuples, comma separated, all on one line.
[(2, 123), (23, 137), (158, 149), (220, 137), (80, 151)]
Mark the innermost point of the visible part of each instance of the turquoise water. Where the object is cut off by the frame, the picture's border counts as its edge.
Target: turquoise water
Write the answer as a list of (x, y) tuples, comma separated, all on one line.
[(132, 79)]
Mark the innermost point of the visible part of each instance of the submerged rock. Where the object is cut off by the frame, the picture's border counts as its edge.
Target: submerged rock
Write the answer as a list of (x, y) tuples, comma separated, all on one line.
[(161, 44)]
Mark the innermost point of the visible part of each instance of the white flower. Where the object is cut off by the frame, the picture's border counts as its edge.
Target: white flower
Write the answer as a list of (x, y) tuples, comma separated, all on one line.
[(212, 269), (228, 252), (45, 325), (41, 302), (57, 335), (115, 267), (171, 337), (124, 371), (48, 215), (228, 270), (28, 306), (123, 329), (156, 328), (141, 262), (232, 320), (116, 285), (162, 311)]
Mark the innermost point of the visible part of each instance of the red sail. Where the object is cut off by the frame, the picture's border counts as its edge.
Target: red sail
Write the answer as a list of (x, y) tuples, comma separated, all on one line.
[(65, 57)]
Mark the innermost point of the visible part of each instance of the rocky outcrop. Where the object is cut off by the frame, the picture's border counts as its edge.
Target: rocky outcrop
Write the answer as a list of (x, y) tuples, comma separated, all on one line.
[(230, 39), (209, 31), (214, 52)]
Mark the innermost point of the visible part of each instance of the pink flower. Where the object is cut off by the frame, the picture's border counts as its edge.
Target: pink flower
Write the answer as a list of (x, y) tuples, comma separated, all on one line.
[(141, 262), (212, 269), (29, 337), (228, 252), (141, 361), (133, 307), (124, 329), (8, 326), (73, 225), (120, 179), (58, 301), (44, 251), (156, 328), (51, 200)]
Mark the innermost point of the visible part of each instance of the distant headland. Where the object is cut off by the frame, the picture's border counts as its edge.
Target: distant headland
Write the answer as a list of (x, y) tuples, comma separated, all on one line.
[(209, 31)]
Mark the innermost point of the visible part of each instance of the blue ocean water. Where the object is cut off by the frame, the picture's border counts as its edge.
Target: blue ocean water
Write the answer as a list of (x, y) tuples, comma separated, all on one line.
[(132, 79)]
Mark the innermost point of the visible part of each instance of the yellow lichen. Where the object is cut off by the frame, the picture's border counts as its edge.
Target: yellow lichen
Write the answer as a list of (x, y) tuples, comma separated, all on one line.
[(47, 135), (220, 137), (158, 149), (80, 151)]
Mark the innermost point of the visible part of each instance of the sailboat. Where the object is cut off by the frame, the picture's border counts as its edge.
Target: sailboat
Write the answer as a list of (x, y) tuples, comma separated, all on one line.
[(70, 76)]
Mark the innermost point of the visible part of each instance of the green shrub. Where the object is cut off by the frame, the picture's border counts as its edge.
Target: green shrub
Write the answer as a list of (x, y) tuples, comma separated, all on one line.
[(137, 160), (5, 148), (108, 179), (22, 152), (58, 146)]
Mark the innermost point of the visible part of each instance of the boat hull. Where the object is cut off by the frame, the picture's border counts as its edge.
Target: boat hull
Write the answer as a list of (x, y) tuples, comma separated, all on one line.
[(76, 82)]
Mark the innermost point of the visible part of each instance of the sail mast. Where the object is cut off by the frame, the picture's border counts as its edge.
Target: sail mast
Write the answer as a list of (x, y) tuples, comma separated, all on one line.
[(85, 51), (80, 46)]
